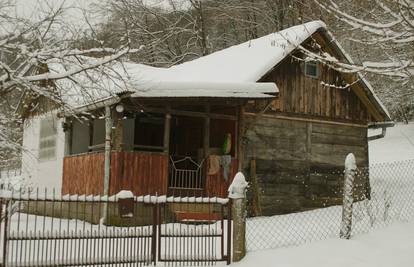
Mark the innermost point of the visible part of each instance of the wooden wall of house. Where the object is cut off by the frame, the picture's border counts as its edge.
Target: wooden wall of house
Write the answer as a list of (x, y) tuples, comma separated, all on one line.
[(306, 96), (299, 164)]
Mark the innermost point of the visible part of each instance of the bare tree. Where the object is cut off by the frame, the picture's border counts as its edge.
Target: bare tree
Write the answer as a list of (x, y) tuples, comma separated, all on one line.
[(27, 47), (383, 32)]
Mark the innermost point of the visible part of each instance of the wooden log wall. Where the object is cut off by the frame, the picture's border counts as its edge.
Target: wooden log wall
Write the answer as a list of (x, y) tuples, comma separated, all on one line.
[(140, 172), (299, 164)]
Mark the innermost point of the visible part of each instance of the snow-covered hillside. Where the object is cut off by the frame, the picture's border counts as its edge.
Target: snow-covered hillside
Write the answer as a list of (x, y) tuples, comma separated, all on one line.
[(397, 145)]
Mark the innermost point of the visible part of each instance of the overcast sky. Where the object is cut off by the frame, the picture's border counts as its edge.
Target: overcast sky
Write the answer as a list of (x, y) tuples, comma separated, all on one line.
[(75, 10)]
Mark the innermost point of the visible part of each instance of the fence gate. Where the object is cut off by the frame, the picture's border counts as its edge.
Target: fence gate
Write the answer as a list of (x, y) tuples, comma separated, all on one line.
[(49, 231), (52, 230), (194, 231)]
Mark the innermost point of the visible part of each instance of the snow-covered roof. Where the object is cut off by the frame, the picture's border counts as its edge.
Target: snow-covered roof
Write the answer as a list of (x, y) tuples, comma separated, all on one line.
[(245, 62), (143, 81), (231, 72)]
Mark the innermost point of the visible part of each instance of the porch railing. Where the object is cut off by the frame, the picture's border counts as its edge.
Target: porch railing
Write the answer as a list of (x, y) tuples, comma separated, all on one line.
[(186, 173)]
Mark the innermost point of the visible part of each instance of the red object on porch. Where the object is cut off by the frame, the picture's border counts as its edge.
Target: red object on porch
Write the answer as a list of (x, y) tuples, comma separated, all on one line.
[(216, 186), (140, 172)]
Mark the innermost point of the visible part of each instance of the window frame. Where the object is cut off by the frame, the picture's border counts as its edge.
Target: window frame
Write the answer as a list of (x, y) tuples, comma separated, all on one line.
[(316, 65)]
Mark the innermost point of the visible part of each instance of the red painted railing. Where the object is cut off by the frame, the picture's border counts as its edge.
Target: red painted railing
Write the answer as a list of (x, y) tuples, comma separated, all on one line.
[(140, 172)]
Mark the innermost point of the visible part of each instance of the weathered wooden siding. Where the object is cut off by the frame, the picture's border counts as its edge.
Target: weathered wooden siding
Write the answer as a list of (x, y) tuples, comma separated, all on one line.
[(299, 164), (142, 173), (306, 96)]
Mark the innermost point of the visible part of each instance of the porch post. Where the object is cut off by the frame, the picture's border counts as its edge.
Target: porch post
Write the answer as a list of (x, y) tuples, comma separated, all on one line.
[(167, 129), (107, 169), (117, 134), (240, 136), (68, 136), (206, 141)]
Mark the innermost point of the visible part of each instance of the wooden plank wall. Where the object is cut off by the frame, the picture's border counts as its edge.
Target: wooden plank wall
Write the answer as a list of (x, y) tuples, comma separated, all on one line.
[(140, 172), (299, 164), (83, 174), (306, 96)]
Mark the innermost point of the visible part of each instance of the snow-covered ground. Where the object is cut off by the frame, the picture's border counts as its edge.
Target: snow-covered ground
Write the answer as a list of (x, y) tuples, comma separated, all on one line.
[(391, 246), (397, 145)]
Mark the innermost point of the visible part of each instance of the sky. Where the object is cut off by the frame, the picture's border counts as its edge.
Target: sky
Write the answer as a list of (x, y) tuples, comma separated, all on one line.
[(75, 10)]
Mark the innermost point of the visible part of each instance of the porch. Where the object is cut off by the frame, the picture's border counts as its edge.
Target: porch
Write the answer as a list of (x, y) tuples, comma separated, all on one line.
[(143, 173), (172, 150)]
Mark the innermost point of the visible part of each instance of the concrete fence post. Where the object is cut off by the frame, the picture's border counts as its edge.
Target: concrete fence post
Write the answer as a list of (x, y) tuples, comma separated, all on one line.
[(237, 192), (348, 199)]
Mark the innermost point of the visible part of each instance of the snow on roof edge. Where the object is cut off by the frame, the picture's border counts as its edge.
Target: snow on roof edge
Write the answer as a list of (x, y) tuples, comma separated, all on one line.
[(206, 89)]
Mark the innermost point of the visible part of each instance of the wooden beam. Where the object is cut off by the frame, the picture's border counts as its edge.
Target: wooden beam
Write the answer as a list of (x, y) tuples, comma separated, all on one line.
[(118, 131), (284, 117), (206, 142), (68, 137), (240, 135), (90, 132), (167, 129), (191, 113)]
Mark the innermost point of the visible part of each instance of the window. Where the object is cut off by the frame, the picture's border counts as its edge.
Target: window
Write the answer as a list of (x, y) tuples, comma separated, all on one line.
[(311, 69), (47, 139)]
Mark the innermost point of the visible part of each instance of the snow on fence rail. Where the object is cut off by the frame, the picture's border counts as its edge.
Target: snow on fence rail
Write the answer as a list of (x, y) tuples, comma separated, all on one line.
[(390, 199), (42, 228), (36, 195)]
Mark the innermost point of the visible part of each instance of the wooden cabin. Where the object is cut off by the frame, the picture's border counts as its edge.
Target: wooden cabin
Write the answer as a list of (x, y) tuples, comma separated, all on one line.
[(261, 107)]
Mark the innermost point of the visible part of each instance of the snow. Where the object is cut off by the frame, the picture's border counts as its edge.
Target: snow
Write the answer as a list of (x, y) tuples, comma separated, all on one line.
[(111, 79), (51, 195), (231, 72), (123, 194), (237, 189), (246, 62), (206, 89), (350, 163), (391, 246), (397, 145)]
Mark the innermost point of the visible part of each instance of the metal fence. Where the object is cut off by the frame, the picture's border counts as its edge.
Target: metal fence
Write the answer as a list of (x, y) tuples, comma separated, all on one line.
[(389, 198), (41, 228)]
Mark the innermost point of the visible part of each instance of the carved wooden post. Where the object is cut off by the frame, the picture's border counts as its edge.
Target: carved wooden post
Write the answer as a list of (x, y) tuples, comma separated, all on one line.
[(350, 170), (237, 192)]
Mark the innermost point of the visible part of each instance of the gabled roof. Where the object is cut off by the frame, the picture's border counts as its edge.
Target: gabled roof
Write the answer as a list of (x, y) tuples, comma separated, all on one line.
[(232, 72), (245, 62)]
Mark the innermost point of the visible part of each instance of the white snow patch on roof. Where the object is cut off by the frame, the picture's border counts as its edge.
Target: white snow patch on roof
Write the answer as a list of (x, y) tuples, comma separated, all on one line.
[(231, 72), (246, 62)]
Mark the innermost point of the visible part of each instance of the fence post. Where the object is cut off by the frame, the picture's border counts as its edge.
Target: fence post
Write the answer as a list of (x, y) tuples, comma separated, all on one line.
[(237, 193), (347, 201)]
